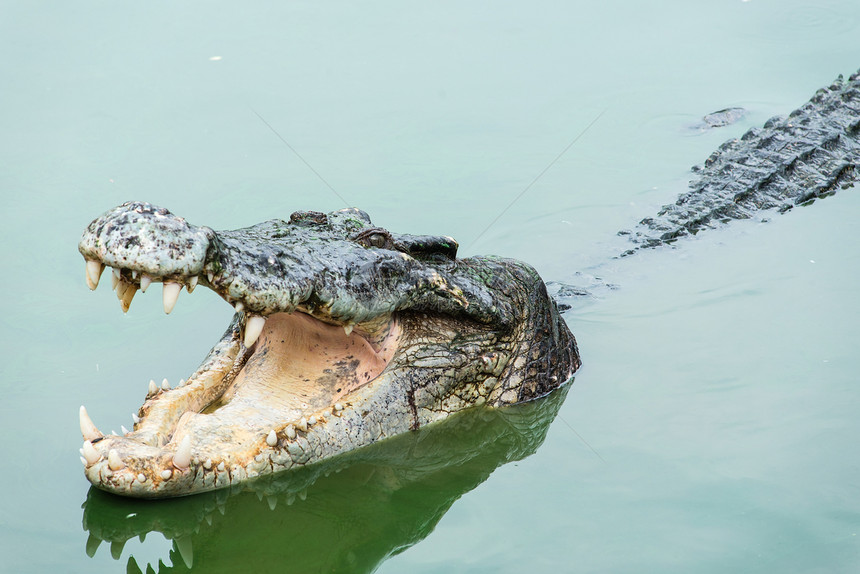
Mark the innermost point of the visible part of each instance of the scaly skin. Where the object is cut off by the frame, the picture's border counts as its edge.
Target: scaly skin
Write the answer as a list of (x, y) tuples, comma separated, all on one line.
[(792, 160), (449, 333)]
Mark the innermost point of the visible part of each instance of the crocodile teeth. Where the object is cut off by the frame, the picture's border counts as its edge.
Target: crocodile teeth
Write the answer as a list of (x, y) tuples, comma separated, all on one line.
[(135, 418), (94, 272), (169, 295), (127, 296), (253, 328), (302, 424), (123, 429), (121, 287), (221, 466), (88, 429), (141, 477), (291, 432), (166, 474), (145, 281), (90, 453), (192, 283), (114, 461), (114, 278), (348, 329), (182, 458), (152, 388), (271, 438)]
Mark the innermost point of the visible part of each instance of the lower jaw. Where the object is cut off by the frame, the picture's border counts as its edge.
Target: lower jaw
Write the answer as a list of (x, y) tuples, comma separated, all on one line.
[(243, 416)]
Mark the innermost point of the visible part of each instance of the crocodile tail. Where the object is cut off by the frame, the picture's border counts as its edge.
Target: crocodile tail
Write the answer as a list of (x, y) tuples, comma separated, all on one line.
[(793, 160)]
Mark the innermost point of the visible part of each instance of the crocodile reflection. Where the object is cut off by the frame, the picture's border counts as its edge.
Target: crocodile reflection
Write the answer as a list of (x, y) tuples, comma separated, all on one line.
[(348, 514)]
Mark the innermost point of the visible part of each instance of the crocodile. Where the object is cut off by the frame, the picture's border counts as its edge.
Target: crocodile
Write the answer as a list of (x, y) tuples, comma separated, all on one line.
[(346, 333)]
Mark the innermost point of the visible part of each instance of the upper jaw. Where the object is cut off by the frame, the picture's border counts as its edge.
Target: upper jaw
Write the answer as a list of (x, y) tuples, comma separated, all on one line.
[(330, 266)]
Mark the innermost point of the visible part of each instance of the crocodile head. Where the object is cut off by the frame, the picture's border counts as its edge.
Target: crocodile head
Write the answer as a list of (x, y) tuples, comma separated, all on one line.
[(344, 334)]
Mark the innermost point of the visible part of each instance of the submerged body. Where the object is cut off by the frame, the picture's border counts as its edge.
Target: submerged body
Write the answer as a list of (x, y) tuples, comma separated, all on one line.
[(346, 333)]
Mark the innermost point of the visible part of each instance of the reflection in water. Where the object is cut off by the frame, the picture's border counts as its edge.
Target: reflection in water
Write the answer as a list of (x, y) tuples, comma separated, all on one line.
[(345, 515)]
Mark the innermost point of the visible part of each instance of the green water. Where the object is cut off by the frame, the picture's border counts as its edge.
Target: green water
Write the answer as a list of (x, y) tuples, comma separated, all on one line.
[(713, 427)]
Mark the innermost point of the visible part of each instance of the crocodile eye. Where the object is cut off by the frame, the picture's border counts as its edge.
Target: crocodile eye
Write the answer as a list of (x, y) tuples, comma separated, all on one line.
[(373, 237), (377, 240)]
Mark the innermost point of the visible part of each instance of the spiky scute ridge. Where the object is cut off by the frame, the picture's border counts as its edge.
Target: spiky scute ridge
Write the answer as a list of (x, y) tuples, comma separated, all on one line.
[(792, 160)]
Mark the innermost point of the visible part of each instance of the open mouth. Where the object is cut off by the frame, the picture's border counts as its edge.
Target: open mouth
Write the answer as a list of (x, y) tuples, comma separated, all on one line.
[(344, 334), (263, 387)]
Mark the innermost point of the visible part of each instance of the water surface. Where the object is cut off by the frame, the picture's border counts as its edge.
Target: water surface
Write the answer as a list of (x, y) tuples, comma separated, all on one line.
[(719, 393)]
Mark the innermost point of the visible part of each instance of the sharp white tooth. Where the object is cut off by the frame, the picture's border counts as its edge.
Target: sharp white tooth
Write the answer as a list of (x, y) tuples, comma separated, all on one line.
[(123, 429), (165, 385), (348, 329), (253, 328), (271, 438), (145, 282), (134, 274), (169, 295), (127, 296), (181, 383), (141, 477), (221, 466), (272, 501), (303, 425), (182, 458), (88, 429), (113, 432), (114, 461), (259, 458), (192, 283), (135, 418), (94, 273), (152, 388), (166, 474), (121, 287), (291, 432), (208, 464), (338, 406), (210, 277), (114, 277), (84, 461), (80, 450), (312, 421), (239, 307), (90, 452)]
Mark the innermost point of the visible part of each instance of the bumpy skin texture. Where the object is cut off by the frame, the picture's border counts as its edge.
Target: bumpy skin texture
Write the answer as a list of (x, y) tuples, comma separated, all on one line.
[(474, 331), (812, 153)]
